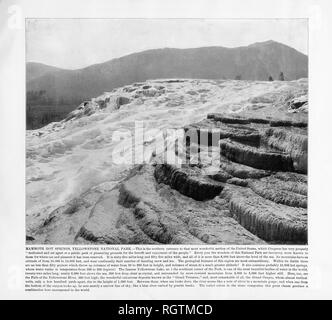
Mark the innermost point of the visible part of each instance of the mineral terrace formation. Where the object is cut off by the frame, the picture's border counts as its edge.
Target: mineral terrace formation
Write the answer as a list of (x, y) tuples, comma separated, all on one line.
[(242, 178)]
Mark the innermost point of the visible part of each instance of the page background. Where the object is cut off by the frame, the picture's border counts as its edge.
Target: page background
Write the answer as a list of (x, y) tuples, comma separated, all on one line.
[(12, 133)]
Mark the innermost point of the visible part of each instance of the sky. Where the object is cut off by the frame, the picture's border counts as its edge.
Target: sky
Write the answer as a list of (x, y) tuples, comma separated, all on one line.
[(78, 43)]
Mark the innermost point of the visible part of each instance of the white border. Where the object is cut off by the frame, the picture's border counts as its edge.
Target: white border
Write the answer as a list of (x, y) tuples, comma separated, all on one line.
[(12, 133)]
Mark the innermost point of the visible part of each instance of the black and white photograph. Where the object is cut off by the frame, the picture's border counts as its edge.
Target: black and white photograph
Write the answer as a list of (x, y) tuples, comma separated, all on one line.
[(166, 131)]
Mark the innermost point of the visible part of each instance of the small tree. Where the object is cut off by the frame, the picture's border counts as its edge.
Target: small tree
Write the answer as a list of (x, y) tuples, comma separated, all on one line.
[(281, 76), (238, 77), (270, 78)]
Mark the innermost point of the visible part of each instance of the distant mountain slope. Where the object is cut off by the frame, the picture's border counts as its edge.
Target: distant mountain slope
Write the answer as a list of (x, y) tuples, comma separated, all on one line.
[(35, 70), (254, 62)]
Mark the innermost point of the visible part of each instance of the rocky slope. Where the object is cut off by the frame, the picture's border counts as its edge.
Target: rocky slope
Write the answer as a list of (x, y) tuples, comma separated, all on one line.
[(233, 172)]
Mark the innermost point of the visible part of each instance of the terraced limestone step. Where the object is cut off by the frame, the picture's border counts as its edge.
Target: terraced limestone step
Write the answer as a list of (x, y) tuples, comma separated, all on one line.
[(255, 157), (196, 187), (208, 132), (293, 142), (167, 216), (293, 194), (225, 118), (111, 223), (266, 219)]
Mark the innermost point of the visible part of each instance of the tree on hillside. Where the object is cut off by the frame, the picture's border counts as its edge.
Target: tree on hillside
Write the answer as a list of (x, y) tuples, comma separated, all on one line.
[(238, 77), (281, 76), (36, 97), (270, 78)]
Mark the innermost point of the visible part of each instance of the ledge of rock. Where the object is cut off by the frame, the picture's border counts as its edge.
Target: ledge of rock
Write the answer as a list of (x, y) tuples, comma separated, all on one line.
[(284, 192), (194, 186), (267, 219), (256, 158), (242, 171), (208, 133), (294, 143), (236, 119)]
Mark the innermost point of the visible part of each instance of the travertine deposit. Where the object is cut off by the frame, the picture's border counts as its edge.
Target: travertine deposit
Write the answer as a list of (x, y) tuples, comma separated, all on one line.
[(240, 178)]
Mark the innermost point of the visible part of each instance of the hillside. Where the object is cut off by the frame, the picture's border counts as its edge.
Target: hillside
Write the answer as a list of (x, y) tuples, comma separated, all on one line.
[(36, 70), (254, 62)]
